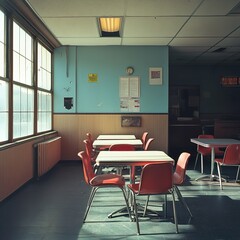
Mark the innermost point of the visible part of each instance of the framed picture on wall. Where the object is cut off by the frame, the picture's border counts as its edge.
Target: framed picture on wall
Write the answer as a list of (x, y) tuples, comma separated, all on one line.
[(155, 76), (129, 121)]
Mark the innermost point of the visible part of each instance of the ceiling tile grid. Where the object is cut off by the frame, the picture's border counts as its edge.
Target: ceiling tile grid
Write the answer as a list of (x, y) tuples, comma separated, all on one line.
[(193, 29)]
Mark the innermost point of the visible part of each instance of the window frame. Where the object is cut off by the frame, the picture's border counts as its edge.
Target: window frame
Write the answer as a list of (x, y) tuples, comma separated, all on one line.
[(37, 38)]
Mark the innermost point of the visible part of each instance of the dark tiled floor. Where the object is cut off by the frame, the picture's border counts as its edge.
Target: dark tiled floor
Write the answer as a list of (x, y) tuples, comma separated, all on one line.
[(53, 208)]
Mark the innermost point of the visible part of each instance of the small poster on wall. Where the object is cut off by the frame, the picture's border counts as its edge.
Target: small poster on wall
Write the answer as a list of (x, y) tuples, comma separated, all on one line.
[(129, 87), (129, 121), (155, 76), (92, 77), (129, 92), (130, 104)]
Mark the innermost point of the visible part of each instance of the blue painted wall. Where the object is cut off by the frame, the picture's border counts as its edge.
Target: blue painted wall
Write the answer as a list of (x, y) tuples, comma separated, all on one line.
[(73, 64)]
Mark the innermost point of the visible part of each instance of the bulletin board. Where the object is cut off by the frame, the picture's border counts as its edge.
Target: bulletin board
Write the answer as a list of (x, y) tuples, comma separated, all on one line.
[(129, 87), (129, 93)]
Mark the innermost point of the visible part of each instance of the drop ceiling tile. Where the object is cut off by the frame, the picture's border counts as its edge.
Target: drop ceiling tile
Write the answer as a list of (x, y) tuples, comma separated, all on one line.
[(230, 42), (227, 49), (197, 42), (160, 7), (167, 22), (187, 50), (73, 27), (74, 8), (146, 41), (216, 7), (152, 26), (209, 26), (236, 33), (90, 41)]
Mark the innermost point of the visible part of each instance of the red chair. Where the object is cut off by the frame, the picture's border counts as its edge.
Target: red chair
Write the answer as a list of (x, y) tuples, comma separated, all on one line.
[(231, 158), (178, 179), (90, 139), (203, 151), (146, 148), (156, 179), (148, 143), (100, 181), (144, 139), (90, 152), (122, 147)]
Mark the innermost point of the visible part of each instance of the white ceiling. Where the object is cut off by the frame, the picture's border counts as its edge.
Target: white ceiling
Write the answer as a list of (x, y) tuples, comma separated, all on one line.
[(192, 29)]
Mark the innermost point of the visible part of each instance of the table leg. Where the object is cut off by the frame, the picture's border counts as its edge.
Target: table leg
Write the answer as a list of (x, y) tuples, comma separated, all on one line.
[(212, 163), (211, 177)]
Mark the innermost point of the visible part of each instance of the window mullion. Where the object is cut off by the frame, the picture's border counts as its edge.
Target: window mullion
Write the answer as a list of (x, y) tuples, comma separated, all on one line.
[(35, 83)]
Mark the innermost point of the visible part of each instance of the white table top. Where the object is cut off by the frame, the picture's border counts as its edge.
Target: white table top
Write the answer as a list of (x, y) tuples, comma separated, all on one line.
[(108, 142), (115, 136), (214, 142), (131, 157)]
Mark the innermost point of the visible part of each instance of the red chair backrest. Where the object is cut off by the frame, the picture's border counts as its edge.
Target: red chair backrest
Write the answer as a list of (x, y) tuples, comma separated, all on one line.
[(204, 150), (87, 167), (88, 148), (149, 141), (232, 155), (89, 138), (156, 178), (122, 147), (144, 138), (181, 167)]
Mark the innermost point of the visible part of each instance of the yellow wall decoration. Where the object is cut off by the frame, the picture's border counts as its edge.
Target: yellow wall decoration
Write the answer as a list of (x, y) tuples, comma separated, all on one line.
[(92, 77)]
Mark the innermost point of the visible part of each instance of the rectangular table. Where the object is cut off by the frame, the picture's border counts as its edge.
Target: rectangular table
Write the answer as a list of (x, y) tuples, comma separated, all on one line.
[(131, 158), (116, 136), (212, 143), (108, 142)]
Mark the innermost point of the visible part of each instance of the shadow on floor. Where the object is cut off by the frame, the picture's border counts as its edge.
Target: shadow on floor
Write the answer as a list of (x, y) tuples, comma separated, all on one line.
[(53, 208)]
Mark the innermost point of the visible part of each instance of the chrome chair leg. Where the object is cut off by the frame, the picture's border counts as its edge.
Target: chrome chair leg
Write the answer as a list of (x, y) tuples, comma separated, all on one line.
[(182, 200), (219, 175), (196, 160), (174, 211), (237, 174), (92, 194)]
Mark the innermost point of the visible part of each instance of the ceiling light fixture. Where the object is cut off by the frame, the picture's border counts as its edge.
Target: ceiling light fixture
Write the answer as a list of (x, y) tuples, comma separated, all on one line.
[(110, 26)]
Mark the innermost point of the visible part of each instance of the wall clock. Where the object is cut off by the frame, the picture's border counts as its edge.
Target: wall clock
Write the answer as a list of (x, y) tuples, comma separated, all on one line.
[(130, 70)]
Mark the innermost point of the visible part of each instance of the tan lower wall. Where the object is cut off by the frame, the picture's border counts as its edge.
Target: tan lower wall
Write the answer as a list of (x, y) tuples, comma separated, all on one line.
[(17, 165), (73, 128)]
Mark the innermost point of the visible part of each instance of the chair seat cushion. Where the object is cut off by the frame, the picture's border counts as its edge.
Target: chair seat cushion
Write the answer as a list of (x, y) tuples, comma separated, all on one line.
[(108, 179), (134, 187), (220, 161)]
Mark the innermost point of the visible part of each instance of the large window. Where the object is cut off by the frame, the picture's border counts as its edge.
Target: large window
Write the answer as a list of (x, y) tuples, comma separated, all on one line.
[(3, 111), (4, 84), (25, 83), (23, 94), (2, 45), (44, 95)]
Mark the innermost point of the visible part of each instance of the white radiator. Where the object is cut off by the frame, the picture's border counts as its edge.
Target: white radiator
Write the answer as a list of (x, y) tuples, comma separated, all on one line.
[(48, 155)]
